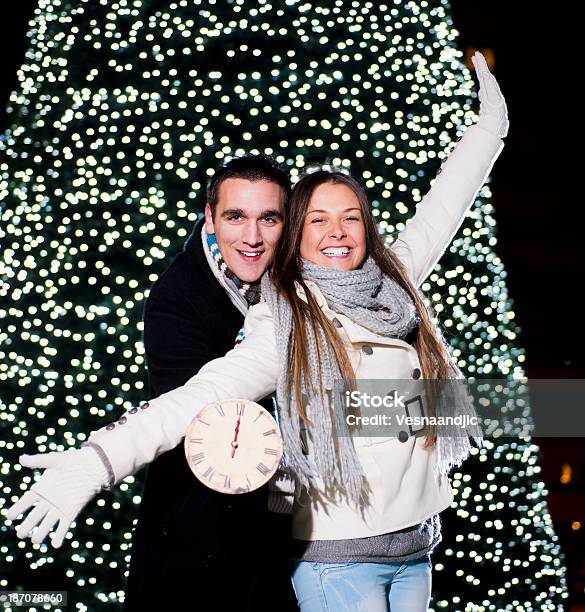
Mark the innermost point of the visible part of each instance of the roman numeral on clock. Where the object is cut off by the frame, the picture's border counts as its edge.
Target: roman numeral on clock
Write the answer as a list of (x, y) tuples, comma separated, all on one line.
[(262, 469), (269, 432), (240, 409), (208, 473), (219, 408), (197, 458), (270, 451)]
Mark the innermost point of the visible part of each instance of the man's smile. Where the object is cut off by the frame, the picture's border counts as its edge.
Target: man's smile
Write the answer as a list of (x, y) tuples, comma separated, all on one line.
[(250, 256)]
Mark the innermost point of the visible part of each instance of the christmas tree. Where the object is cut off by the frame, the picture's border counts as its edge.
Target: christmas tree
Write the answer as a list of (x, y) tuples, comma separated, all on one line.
[(123, 110)]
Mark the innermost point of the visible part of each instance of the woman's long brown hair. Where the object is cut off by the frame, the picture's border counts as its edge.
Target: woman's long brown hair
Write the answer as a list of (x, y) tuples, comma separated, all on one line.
[(286, 271)]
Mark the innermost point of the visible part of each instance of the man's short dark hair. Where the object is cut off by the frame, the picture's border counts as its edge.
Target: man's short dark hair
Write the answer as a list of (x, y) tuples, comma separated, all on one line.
[(257, 167)]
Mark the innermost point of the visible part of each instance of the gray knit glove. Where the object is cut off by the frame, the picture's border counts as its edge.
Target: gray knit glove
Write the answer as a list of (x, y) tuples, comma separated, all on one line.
[(493, 113), (70, 480)]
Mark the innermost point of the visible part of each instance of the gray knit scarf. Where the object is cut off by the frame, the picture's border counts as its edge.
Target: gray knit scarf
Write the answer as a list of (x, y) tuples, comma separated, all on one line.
[(378, 303)]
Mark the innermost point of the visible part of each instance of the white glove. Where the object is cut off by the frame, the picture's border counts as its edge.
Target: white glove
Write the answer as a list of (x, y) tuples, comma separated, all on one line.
[(493, 113), (70, 480)]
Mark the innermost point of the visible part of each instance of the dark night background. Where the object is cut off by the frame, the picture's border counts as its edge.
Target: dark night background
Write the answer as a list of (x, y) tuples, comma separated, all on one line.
[(539, 212)]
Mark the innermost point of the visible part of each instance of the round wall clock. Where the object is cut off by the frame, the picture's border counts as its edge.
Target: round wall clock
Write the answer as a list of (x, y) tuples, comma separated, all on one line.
[(233, 446)]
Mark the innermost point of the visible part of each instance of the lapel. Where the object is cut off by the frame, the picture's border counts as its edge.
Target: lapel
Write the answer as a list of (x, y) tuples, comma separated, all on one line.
[(200, 280)]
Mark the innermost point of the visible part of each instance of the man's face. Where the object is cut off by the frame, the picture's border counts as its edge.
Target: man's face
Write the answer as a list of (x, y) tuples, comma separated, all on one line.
[(247, 225)]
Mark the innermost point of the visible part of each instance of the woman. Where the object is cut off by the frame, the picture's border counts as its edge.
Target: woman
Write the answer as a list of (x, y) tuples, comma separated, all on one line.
[(337, 304)]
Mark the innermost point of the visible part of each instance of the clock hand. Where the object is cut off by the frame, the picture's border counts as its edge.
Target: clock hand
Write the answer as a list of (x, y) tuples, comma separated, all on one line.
[(235, 440)]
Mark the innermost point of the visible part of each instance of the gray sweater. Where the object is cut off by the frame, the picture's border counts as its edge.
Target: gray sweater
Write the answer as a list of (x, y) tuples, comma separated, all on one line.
[(408, 543)]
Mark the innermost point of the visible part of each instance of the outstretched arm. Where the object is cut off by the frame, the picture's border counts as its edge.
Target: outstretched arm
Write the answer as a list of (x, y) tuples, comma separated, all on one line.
[(72, 478), (441, 212), (248, 371)]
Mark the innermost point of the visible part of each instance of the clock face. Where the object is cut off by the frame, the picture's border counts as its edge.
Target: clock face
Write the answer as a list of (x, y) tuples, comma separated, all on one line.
[(233, 446)]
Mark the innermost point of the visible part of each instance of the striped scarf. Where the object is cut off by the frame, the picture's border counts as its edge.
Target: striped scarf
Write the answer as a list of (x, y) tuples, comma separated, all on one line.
[(244, 294)]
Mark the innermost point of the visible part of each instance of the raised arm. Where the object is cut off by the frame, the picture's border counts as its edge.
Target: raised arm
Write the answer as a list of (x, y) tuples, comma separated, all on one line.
[(71, 478), (441, 212)]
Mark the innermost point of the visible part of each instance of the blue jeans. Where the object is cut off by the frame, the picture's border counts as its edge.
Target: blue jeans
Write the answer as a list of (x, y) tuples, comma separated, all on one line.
[(364, 587)]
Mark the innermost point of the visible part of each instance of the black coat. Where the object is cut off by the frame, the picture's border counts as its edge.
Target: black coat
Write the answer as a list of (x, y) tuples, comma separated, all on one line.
[(194, 548)]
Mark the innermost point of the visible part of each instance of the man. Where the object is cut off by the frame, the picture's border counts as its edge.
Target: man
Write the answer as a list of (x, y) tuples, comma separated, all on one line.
[(194, 548)]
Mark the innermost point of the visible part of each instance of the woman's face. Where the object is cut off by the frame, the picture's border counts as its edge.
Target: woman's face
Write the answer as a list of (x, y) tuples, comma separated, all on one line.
[(334, 233)]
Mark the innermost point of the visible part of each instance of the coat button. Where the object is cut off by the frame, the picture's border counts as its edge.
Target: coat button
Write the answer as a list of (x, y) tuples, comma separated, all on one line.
[(367, 350), (439, 170), (144, 406), (110, 426), (133, 410), (336, 322), (416, 373), (164, 531), (122, 420)]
